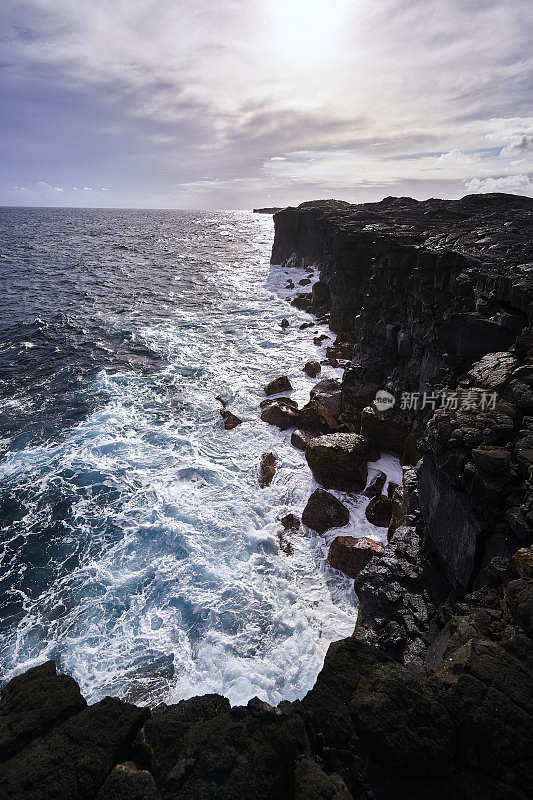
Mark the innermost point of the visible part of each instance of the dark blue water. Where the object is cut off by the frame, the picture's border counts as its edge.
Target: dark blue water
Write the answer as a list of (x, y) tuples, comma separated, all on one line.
[(135, 546)]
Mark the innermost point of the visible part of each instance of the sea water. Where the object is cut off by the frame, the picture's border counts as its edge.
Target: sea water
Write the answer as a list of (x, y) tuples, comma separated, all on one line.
[(137, 549)]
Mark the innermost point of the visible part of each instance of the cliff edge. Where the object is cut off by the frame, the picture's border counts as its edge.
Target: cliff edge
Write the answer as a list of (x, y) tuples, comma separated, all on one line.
[(432, 696)]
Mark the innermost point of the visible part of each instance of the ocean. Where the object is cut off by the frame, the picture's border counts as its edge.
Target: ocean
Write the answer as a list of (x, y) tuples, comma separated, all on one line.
[(136, 547)]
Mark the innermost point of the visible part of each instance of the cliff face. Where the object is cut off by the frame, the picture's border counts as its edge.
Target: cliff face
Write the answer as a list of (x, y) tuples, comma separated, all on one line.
[(439, 298), (433, 694)]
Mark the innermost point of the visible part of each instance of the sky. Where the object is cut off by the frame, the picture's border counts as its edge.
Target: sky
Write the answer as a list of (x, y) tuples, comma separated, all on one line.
[(243, 103)]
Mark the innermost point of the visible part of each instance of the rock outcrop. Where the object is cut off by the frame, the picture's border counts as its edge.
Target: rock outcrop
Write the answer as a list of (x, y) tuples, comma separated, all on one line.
[(339, 461), (323, 511), (432, 696), (351, 555)]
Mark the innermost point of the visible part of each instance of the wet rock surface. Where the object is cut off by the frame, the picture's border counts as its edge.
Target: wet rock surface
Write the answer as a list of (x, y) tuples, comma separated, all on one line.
[(432, 697), (281, 412), (339, 461), (323, 511), (267, 469), (351, 555), (281, 384), (379, 511)]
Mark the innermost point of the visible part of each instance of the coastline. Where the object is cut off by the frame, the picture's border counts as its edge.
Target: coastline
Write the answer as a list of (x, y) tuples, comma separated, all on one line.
[(432, 694)]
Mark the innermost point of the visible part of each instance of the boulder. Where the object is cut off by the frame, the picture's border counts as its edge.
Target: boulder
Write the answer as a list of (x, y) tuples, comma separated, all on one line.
[(281, 384), (281, 412), (493, 370), (376, 484), (303, 301), (267, 469), (284, 323), (322, 412), (379, 511), (230, 420), (299, 439), (323, 511), (304, 282), (351, 555), (339, 460), (312, 368), (290, 522)]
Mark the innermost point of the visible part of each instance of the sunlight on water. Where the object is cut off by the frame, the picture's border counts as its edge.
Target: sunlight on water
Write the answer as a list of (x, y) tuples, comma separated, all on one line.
[(138, 549)]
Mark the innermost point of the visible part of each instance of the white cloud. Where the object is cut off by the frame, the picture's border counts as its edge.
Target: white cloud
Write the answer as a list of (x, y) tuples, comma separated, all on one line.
[(47, 187), (514, 184), (381, 93)]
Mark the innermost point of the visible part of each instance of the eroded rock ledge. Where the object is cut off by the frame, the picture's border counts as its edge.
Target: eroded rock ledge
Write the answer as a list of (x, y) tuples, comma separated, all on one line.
[(433, 694)]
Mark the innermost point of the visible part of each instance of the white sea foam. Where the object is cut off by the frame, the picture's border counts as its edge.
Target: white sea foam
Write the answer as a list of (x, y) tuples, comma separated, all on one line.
[(177, 585)]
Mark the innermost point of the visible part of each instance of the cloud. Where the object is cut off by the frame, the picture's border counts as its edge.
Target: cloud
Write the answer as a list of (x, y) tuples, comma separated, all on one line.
[(47, 187), (514, 184), (149, 96)]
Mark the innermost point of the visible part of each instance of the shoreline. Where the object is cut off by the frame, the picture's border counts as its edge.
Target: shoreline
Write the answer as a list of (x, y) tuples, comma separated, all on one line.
[(432, 695)]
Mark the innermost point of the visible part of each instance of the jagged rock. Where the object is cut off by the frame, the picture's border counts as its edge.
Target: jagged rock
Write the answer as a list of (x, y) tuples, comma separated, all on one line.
[(322, 412), (351, 555), (391, 488), (303, 301), (405, 501), (73, 759), (284, 323), (299, 439), (285, 545), (230, 420), (312, 368), (33, 703), (245, 753), (281, 384), (161, 743), (267, 469), (128, 781), (323, 511), (376, 484), (305, 325), (379, 511), (493, 370), (290, 522), (281, 412), (339, 461)]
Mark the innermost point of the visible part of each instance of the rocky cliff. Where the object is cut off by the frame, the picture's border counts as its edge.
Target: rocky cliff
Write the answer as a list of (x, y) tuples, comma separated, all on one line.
[(433, 694)]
